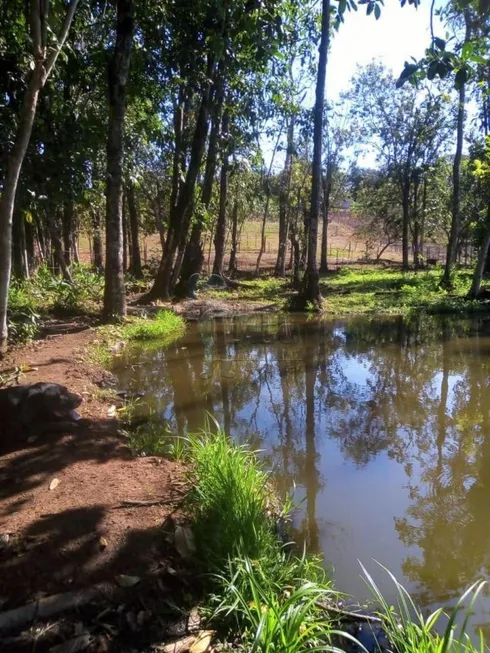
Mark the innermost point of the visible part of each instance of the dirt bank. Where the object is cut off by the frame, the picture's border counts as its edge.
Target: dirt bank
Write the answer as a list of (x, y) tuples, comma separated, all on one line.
[(83, 530)]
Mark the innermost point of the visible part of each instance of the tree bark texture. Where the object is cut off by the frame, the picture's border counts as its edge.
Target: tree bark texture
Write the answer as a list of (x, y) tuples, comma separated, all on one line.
[(311, 286), (114, 290)]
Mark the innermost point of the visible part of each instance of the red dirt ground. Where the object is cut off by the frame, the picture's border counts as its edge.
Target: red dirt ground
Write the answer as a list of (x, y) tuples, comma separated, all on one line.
[(52, 538)]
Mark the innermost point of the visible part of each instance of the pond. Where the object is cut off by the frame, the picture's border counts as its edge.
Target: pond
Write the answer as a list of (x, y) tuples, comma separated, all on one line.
[(380, 428)]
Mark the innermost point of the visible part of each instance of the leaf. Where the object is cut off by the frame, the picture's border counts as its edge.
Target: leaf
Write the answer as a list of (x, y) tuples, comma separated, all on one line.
[(184, 541), (407, 72), (54, 483), (467, 50), (440, 43), (203, 642), (180, 646), (112, 411), (127, 581), (377, 11), (72, 645)]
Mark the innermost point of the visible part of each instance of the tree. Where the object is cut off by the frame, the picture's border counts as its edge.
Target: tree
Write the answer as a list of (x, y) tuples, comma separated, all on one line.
[(45, 54), (311, 290), (409, 128), (114, 289)]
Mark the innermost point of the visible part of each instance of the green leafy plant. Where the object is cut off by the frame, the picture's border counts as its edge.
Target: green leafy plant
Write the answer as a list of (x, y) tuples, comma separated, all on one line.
[(411, 632)]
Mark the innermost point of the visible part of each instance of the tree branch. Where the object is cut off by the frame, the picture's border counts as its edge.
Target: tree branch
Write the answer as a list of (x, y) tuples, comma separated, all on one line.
[(35, 22), (70, 12)]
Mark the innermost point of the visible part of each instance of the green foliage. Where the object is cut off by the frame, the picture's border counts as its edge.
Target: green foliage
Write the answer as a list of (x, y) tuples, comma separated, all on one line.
[(275, 616), (165, 327), (410, 631), (230, 496)]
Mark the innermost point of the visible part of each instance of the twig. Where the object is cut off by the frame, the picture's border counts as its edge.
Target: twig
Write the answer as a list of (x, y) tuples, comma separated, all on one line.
[(350, 616), (151, 502)]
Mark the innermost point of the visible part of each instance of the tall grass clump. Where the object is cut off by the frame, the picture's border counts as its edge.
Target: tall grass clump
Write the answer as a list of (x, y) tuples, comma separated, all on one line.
[(165, 327), (409, 631), (230, 501), (261, 592)]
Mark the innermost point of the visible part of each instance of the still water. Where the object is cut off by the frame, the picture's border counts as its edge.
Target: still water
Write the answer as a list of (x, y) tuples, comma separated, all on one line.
[(380, 428)]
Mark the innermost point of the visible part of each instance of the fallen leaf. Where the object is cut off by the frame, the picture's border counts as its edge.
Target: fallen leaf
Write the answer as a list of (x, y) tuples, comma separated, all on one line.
[(127, 581), (112, 411), (54, 483), (72, 645), (203, 642), (103, 543), (184, 541), (180, 646)]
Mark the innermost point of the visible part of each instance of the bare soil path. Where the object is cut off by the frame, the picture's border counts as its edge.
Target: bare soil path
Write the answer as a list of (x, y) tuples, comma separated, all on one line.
[(79, 532)]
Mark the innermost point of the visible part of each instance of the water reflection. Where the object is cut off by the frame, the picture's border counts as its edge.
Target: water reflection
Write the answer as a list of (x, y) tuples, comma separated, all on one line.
[(381, 428)]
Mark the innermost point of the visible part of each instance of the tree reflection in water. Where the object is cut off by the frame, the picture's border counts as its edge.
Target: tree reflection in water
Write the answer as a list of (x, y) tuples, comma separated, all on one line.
[(413, 393)]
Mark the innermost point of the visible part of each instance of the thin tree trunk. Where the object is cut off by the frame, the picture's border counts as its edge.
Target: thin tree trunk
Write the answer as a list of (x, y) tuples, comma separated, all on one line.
[(44, 60), (232, 267), (181, 213), (280, 270), (97, 245), (416, 223), (114, 290), (7, 200), (327, 187), (220, 233), (124, 232), (133, 221), (480, 263), (405, 223), (19, 255), (422, 223), (67, 229), (59, 255), (311, 286), (452, 246), (194, 255), (267, 204)]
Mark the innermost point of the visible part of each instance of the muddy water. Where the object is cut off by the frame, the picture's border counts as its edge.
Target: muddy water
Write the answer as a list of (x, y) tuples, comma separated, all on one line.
[(379, 427)]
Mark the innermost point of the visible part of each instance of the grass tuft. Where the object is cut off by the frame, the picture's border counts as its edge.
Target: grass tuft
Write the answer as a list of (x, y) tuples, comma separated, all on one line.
[(165, 327), (411, 632)]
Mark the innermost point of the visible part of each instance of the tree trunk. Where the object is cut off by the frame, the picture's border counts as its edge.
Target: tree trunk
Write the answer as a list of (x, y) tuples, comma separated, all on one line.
[(452, 246), (7, 200), (327, 187), (194, 255), (267, 204), (220, 234), (124, 232), (114, 290), (280, 270), (311, 287), (67, 229), (44, 60), (422, 223), (405, 223), (133, 221), (19, 254), (59, 256), (416, 224), (181, 213), (98, 258), (232, 267), (480, 263)]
